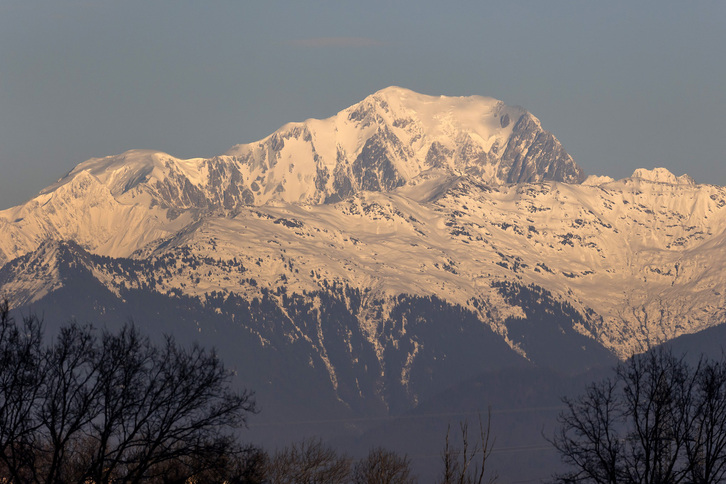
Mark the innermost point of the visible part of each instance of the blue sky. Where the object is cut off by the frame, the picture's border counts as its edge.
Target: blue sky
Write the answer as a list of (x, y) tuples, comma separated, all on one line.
[(621, 84)]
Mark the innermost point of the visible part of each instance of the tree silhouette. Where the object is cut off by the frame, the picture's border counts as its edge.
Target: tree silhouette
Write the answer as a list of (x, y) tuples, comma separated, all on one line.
[(658, 420), (468, 464), (308, 462), (383, 466), (111, 408)]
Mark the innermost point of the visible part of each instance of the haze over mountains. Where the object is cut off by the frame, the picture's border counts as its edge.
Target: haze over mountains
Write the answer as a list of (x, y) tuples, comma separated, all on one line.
[(376, 258)]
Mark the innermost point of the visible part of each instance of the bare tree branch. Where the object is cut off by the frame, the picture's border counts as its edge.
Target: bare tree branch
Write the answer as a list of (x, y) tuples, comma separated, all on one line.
[(116, 408)]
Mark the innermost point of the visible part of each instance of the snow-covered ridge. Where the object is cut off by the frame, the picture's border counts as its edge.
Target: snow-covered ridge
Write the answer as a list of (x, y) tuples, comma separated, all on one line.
[(381, 143), (655, 175), (121, 173), (595, 180), (394, 135), (436, 116), (662, 175), (386, 141), (644, 259)]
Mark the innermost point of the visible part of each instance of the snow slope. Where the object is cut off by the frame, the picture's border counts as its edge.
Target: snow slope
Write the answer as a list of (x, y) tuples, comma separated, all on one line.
[(639, 258)]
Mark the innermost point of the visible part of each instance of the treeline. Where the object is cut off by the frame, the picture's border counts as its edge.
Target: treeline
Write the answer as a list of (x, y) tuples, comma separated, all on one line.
[(103, 407), (312, 461)]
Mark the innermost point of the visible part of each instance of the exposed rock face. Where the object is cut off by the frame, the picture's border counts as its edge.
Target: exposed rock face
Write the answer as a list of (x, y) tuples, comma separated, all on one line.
[(373, 169), (534, 155)]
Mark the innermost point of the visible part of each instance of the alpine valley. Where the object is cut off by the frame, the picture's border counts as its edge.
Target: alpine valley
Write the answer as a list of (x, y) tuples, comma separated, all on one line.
[(410, 256)]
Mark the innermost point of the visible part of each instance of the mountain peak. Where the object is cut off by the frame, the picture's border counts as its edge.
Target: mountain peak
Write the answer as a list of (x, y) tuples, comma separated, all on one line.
[(478, 114), (395, 91), (662, 175), (379, 144), (597, 180), (404, 94), (118, 172)]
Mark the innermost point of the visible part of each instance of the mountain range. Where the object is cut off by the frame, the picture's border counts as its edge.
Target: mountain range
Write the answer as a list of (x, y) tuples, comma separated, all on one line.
[(368, 263)]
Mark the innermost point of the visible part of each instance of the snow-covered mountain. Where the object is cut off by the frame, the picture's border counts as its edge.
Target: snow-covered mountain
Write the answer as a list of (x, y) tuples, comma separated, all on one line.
[(385, 247), (379, 144)]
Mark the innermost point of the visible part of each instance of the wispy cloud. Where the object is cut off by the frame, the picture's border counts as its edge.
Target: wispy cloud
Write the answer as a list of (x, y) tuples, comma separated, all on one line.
[(337, 42)]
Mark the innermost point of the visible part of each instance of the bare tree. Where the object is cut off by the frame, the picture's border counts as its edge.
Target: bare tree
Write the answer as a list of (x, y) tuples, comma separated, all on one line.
[(178, 407), (308, 462), (116, 408), (249, 467), (656, 393), (21, 381), (468, 464), (658, 420), (383, 466), (69, 401), (588, 438), (706, 447)]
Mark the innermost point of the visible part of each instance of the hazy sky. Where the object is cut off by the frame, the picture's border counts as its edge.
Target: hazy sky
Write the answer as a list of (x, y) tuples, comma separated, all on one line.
[(621, 84)]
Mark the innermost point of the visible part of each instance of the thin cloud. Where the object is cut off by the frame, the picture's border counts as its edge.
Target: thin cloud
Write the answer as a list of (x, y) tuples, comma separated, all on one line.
[(337, 42)]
